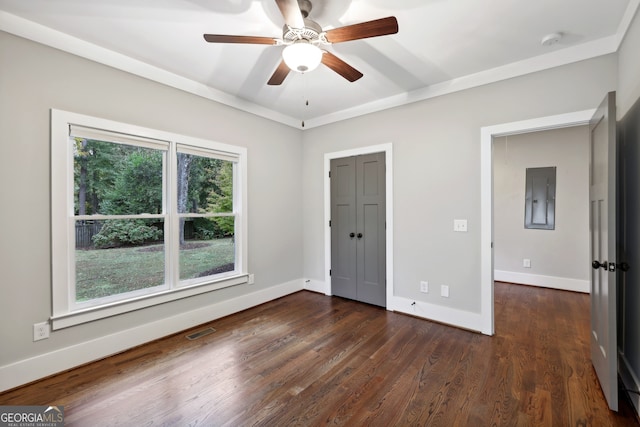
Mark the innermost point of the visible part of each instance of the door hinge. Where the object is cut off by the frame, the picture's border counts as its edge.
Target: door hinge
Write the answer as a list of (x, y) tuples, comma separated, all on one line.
[(329, 223), (329, 272), (329, 174)]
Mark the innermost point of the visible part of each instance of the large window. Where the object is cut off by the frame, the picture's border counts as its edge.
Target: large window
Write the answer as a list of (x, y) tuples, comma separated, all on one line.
[(141, 217)]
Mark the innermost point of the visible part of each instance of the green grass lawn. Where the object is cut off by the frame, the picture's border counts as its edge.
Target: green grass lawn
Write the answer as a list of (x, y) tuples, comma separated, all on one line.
[(105, 272)]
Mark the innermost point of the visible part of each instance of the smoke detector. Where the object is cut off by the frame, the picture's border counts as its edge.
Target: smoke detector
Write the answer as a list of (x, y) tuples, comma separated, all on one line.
[(551, 39)]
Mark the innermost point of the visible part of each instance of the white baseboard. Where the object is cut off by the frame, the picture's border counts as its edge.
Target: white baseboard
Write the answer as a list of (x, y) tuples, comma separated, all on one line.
[(316, 286), (630, 380), (34, 368), (437, 313), (562, 283)]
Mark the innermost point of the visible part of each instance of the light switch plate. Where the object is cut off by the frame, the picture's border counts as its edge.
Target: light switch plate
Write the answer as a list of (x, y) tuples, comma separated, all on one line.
[(460, 225)]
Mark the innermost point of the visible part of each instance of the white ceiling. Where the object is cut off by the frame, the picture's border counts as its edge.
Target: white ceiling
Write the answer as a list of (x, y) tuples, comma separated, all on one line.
[(442, 46)]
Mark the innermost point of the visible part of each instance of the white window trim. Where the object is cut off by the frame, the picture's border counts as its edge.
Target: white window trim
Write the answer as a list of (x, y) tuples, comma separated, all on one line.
[(62, 222)]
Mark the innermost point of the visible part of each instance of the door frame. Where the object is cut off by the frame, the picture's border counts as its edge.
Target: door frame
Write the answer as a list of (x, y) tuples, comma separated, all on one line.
[(387, 149), (487, 133)]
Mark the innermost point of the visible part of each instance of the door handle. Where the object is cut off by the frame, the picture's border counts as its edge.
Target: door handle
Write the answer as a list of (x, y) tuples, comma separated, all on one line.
[(624, 266), (352, 235), (359, 235), (596, 265)]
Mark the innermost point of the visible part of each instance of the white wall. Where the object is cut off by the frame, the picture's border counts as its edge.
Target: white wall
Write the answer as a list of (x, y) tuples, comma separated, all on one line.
[(559, 257), (436, 150), (34, 79)]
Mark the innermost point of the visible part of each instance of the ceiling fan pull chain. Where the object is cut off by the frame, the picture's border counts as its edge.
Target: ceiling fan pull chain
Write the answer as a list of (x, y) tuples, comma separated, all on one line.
[(304, 96)]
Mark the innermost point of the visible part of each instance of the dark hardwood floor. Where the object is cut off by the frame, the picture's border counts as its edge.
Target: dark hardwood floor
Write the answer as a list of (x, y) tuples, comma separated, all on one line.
[(308, 359)]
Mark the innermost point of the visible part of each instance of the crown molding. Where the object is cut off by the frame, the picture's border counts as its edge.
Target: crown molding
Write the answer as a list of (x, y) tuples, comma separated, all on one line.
[(625, 23), (554, 59), (49, 37), (56, 39)]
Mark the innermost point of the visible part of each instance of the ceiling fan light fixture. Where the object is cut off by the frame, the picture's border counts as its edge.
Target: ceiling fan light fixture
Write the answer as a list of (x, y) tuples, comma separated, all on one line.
[(302, 56)]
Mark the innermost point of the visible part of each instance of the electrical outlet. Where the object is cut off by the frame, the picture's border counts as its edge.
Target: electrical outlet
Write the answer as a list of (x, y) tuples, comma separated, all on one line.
[(444, 291), (424, 287), (252, 279), (40, 331), (526, 263)]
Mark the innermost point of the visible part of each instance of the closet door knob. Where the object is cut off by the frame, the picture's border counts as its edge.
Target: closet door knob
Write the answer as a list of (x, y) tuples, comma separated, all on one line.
[(596, 265)]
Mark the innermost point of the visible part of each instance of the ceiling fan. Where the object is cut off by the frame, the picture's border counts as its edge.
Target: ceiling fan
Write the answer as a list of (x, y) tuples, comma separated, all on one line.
[(303, 39)]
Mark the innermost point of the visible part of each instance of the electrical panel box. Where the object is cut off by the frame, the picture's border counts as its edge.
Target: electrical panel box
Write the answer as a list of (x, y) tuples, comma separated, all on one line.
[(540, 198)]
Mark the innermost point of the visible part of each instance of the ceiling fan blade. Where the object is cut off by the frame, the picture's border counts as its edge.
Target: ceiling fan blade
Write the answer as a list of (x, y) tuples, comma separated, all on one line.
[(222, 38), (340, 67), (291, 12), (375, 28), (279, 75)]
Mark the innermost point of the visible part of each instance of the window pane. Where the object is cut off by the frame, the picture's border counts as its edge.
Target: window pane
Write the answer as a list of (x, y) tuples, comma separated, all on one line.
[(208, 248), (118, 256), (205, 185), (116, 179)]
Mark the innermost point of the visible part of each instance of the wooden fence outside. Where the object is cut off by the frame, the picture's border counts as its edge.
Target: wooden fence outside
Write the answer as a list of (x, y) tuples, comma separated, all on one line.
[(85, 230)]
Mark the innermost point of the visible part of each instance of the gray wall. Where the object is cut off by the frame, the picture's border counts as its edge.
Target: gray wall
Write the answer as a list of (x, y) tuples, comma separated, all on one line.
[(436, 157), (629, 286), (629, 68), (564, 251), (436, 164), (35, 78)]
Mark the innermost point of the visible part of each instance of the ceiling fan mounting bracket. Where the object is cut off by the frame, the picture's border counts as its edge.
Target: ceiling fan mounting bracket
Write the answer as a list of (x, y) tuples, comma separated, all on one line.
[(312, 32), (305, 7)]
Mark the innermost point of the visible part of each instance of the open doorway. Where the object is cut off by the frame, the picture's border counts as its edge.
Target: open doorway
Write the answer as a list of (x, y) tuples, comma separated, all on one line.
[(540, 200), (487, 135)]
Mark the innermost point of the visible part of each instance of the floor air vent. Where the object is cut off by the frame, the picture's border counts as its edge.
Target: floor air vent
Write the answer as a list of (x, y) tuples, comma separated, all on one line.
[(200, 334)]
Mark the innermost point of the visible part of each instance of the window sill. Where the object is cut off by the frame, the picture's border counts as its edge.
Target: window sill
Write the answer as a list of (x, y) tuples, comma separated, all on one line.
[(95, 313)]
